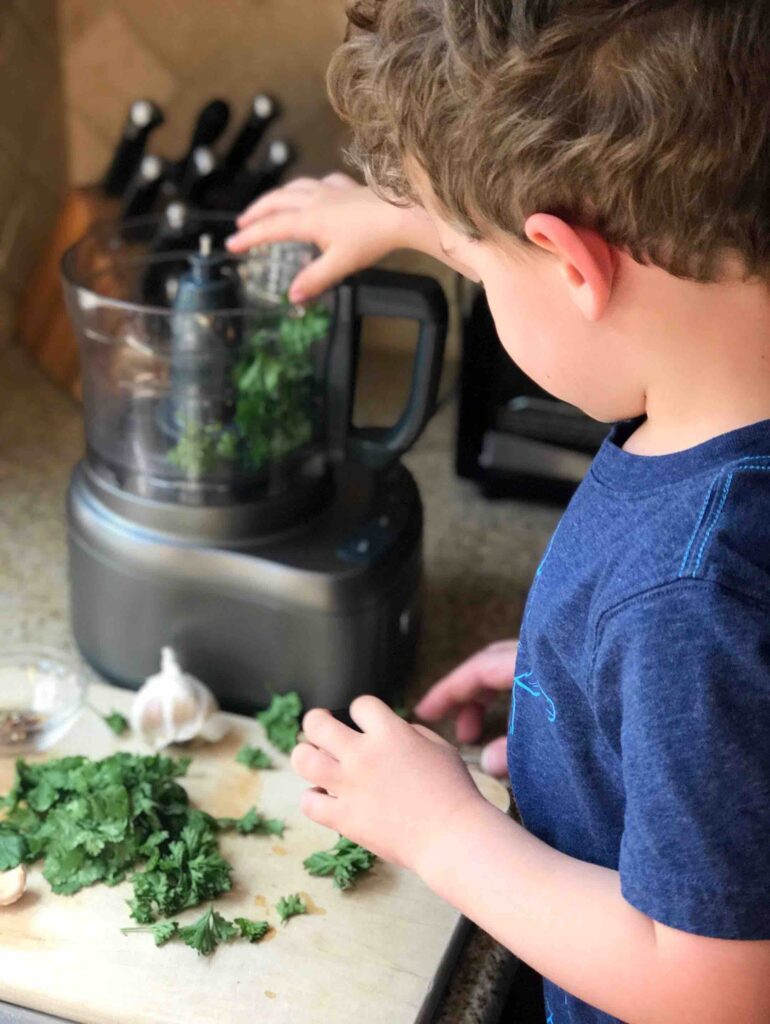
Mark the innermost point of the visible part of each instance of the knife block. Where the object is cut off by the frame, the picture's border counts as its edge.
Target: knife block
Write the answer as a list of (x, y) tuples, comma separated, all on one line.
[(44, 326)]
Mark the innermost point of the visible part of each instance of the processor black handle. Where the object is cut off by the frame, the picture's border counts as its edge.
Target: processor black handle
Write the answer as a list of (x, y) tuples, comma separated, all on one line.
[(408, 297)]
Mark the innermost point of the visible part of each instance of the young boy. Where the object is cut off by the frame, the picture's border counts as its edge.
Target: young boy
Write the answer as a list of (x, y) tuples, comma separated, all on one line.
[(603, 168)]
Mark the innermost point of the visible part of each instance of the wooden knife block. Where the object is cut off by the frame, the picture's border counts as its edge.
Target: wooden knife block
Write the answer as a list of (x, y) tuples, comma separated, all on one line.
[(44, 326)]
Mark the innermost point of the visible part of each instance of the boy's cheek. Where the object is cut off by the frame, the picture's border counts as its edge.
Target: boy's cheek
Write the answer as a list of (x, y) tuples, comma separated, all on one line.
[(552, 343)]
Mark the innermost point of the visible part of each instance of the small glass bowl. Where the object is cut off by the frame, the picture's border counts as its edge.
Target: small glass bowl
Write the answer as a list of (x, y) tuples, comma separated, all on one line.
[(42, 692)]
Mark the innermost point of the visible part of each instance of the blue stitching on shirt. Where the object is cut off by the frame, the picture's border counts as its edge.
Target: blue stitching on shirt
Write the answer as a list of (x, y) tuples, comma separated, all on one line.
[(538, 572), (698, 524), (750, 467), (537, 691), (754, 460), (725, 492)]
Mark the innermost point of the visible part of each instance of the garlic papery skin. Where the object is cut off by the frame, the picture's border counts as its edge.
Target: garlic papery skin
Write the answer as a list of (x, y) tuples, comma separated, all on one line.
[(12, 885), (174, 707)]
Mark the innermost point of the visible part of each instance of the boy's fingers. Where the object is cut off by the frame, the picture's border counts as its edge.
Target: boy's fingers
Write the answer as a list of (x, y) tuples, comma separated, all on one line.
[(490, 669), (370, 713), (279, 227), (322, 273), (279, 201), (469, 722), (323, 730), (299, 191), (315, 765), (494, 758), (429, 734), (253, 210), (319, 806)]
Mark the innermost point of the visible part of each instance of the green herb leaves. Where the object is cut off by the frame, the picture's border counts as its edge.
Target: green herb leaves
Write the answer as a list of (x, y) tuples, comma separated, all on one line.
[(253, 757), (117, 722), (13, 849), (252, 931), (281, 720), (345, 862), (274, 397), (290, 906), (98, 821), (252, 821), (162, 932), (201, 448), (274, 393), (205, 934), (186, 871)]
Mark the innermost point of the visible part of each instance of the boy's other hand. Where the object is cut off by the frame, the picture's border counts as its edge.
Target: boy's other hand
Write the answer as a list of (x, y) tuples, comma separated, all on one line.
[(467, 692), (351, 226), (395, 788)]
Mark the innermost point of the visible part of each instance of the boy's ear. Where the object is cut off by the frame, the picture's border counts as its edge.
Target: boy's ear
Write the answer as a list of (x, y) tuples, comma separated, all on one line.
[(587, 263)]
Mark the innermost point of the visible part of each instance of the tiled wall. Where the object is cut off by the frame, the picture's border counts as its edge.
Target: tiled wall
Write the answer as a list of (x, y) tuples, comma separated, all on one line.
[(182, 53), (33, 168)]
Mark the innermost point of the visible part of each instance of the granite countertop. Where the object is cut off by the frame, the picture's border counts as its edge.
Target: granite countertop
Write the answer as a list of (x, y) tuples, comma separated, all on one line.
[(480, 557)]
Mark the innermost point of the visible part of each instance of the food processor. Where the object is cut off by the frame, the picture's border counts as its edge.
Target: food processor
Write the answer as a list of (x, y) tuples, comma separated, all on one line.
[(226, 506)]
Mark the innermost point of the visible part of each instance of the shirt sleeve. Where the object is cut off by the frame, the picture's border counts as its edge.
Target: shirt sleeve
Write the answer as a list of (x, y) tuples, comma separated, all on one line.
[(687, 668)]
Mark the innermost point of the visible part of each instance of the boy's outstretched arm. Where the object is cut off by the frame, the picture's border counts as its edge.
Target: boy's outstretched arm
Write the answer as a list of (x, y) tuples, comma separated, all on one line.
[(351, 226), (405, 794)]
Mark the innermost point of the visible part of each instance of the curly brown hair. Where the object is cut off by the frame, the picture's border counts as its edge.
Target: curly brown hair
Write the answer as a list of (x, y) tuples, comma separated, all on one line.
[(647, 120)]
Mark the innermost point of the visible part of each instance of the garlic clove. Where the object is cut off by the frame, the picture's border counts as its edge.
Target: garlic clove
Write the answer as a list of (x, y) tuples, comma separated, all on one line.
[(12, 885), (215, 727), (173, 706)]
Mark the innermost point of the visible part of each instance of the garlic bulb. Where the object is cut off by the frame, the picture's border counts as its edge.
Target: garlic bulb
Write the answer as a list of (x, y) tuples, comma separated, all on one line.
[(173, 707), (12, 885)]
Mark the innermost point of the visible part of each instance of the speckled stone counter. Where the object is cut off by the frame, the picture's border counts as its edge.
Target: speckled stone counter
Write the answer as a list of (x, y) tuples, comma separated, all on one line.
[(479, 560)]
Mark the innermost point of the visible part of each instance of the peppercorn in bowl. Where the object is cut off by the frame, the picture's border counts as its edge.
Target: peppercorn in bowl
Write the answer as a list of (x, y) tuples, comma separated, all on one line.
[(42, 692)]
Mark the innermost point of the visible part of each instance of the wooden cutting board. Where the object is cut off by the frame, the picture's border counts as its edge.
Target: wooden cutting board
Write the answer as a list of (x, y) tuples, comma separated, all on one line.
[(379, 953)]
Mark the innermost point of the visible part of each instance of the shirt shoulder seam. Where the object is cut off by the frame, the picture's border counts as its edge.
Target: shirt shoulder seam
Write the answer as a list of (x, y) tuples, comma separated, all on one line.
[(661, 589), (699, 547)]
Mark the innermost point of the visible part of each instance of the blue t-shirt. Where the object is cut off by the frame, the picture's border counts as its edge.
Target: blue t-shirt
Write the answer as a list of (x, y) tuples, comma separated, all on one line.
[(639, 734)]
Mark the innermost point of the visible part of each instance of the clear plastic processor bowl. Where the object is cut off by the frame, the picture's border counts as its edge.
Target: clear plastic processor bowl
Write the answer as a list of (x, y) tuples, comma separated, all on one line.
[(202, 384)]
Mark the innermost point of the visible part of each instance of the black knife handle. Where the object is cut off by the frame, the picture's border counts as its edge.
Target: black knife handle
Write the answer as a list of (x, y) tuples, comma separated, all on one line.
[(210, 124), (266, 175), (143, 188), (264, 110), (143, 117), (200, 167)]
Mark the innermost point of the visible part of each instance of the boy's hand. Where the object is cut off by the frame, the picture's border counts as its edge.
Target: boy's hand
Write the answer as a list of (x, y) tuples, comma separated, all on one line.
[(351, 226), (465, 695), (394, 788)]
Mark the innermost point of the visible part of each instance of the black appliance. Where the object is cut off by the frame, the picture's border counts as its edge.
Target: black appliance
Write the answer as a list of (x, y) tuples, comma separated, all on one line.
[(513, 438)]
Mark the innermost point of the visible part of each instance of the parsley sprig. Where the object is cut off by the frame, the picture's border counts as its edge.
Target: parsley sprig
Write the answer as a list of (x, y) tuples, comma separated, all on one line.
[(281, 720), (117, 722), (253, 757), (162, 931), (252, 931), (252, 821), (290, 906), (206, 933), (344, 862)]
